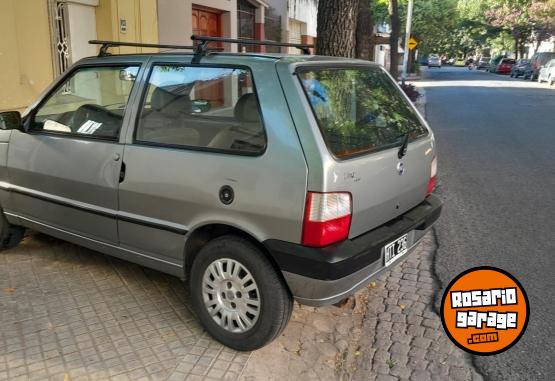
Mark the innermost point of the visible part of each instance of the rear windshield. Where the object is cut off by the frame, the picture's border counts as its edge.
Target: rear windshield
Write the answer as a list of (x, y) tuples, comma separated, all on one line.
[(359, 110)]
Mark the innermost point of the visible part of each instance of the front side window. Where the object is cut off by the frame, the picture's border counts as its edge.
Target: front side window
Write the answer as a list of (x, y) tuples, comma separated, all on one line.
[(202, 107), (90, 103), (359, 110)]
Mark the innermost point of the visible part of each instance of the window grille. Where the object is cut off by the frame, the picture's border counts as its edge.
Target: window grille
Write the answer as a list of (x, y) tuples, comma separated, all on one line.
[(246, 23), (59, 31)]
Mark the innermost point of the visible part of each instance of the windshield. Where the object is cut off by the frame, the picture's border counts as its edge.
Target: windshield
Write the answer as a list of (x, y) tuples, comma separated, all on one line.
[(359, 110)]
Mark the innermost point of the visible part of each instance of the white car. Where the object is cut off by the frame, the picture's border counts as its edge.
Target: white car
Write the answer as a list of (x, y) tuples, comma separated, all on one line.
[(547, 72), (434, 61)]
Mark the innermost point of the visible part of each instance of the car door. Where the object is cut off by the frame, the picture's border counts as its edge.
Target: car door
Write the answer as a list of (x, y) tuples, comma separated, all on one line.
[(64, 170), (192, 137)]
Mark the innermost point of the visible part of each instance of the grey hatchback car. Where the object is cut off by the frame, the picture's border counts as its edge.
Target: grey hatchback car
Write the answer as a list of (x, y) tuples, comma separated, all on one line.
[(258, 178)]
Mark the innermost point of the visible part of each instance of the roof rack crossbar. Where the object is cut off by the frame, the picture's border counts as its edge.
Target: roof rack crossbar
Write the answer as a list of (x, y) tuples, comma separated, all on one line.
[(305, 48), (110, 44)]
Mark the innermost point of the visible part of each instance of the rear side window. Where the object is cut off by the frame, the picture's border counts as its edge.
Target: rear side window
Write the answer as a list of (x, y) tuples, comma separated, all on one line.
[(359, 110), (209, 108)]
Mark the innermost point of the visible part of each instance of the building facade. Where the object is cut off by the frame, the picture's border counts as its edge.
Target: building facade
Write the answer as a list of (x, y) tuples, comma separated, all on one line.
[(298, 20), (544, 46), (40, 39), (179, 19)]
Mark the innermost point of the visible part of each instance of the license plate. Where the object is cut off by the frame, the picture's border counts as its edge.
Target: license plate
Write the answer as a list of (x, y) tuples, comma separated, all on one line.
[(396, 249)]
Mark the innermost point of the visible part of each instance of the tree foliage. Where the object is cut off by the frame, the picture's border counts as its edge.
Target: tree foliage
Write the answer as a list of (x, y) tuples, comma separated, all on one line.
[(463, 27)]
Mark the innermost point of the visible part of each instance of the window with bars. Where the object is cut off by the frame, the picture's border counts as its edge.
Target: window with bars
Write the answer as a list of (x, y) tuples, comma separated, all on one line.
[(59, 31), (272, 26), (246, 23)]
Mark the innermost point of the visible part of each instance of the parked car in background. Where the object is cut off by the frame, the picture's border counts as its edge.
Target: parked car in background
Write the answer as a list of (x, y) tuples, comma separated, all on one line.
[(505, 66), (451, 61), (434, 61), (547, 72), (519, 67), (192, 170), (459, 62), (536, 62), (483, 63), (492, 67)]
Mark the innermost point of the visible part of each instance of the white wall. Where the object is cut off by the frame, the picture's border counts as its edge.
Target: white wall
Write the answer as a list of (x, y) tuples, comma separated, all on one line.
[(381, 55), (82, 28), (175, 19), (547, 46), (305, 11)]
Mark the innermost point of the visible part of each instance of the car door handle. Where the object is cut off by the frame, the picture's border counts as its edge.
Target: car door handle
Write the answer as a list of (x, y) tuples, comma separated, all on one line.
[(122, 173), (117, 156)]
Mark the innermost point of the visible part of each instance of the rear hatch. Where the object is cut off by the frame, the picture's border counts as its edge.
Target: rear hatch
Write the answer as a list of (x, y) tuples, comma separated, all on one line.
[(380, 149)]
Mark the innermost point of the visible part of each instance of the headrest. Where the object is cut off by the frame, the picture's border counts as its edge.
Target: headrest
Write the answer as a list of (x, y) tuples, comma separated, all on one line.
[(169, 103), (246, 109)]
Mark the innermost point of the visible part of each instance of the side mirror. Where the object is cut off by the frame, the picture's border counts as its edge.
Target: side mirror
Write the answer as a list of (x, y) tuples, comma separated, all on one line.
[(10, 120)]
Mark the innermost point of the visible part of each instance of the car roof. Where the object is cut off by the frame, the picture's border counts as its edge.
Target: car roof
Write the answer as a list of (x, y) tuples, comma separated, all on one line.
[(247, 59)]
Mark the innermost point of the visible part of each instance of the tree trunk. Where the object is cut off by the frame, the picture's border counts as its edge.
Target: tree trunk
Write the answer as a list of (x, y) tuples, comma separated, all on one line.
[(522, 49), (412, 60), (365, 28), (539, 41), (337, 24), (394, 37)]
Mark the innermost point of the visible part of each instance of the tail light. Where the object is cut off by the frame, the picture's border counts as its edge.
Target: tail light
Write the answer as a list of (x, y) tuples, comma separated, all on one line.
[(433, 174), (327, 218)]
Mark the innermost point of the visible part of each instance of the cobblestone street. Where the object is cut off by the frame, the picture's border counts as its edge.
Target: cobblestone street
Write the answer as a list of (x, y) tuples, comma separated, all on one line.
[(69, 313)]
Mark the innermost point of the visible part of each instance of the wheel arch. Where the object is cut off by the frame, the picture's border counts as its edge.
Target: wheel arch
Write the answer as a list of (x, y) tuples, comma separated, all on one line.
[(201, 235)]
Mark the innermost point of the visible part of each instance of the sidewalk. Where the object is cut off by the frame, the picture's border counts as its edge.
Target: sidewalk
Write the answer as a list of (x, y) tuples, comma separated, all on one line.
[(388, 332)]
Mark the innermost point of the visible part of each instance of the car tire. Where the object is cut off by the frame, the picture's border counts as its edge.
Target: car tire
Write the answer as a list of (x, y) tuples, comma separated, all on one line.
[(221, 299), (10, 235), (512, 75)]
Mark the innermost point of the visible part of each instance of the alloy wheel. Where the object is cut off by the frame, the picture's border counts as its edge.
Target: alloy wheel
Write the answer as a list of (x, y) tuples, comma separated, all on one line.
[(231, 295)]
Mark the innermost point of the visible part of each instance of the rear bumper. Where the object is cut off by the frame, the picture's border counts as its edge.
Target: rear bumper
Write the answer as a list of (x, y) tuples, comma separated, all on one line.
[(320, 276)]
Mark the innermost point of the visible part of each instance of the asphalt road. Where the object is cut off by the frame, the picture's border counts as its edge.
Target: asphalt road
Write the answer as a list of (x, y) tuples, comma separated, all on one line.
[(496, 139)]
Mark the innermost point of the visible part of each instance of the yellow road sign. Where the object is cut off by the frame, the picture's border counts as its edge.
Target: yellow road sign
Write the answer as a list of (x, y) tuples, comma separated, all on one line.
[(413, 43)]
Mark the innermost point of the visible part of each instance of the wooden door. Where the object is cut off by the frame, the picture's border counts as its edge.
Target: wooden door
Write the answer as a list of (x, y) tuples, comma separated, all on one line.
[(207, 23)]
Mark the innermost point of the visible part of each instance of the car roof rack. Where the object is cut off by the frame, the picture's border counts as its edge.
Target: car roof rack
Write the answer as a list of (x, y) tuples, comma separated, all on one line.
[(111, 44), (200, 47), (203, 41)]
